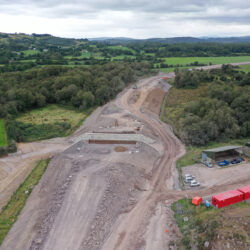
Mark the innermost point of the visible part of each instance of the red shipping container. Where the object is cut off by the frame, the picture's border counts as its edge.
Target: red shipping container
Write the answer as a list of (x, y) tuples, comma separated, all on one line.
[(246, 192), (227, 198)]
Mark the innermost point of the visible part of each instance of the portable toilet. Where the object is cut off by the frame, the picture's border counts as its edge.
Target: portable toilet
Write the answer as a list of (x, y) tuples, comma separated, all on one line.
[(197, 200), (207, 204)]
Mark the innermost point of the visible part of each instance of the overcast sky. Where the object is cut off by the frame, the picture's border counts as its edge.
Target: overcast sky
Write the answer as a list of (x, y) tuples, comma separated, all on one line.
[(126, 18)]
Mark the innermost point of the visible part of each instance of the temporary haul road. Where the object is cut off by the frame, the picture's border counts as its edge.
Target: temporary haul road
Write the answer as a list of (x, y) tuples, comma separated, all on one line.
[(93, 197)]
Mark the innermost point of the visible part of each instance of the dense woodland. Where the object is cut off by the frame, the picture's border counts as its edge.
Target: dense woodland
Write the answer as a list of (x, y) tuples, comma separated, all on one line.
[(81, 88), (223, 113)]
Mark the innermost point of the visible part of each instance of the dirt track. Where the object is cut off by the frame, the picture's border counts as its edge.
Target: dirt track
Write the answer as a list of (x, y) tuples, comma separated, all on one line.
[(93, 197), (16, 167)]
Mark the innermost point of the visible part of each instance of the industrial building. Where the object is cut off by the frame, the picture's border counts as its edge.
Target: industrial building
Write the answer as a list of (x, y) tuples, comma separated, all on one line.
[(222, 153)]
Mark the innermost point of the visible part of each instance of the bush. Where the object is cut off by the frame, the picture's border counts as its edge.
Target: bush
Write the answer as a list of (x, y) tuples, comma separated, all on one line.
[(25, 132), (11, 148)]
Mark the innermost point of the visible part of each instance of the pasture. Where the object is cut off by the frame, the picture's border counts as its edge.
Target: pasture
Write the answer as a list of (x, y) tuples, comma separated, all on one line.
[(206, 60)]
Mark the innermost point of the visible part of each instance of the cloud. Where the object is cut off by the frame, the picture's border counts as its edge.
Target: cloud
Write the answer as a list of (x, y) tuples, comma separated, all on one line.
[(130, 18)]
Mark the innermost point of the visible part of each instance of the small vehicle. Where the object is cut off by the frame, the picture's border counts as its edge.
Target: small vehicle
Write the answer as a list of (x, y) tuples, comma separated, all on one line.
[(236, 161), (189, 179), (134, 87), (223, 163), (209, 164), (194, 183), (189, 175)]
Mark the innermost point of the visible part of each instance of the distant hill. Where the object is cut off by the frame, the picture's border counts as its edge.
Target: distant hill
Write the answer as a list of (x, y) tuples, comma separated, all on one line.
[(36, 40), (49, 40), (173, 40)]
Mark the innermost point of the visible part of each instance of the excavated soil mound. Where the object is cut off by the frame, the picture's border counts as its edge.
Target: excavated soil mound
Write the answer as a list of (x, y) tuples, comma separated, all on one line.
[(134, 97), (120, 149), (154, 100)]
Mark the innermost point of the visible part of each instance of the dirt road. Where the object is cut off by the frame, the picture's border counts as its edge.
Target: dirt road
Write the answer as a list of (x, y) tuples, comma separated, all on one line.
[(16, 167)]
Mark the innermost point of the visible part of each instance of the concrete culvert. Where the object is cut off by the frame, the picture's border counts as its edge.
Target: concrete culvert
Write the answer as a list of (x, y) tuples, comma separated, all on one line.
[(120, 149)]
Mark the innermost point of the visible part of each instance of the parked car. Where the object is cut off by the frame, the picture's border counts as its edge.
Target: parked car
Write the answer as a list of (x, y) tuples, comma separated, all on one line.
[(188, 175), (189, 179), (236, 161), (209, 164), (223, 163), (194, 183)]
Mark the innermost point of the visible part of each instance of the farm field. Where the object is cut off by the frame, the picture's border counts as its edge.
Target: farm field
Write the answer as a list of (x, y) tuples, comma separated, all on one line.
[(3, 136), (206, 60), (30, 52), (121, 48), (121, 57), (245, 68)]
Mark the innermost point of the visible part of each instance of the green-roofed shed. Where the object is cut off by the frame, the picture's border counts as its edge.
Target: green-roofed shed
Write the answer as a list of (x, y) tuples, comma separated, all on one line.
[(222, 152)]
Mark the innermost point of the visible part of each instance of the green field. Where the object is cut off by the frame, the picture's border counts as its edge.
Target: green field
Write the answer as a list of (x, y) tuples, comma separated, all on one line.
[(120, 47), (206, 60), (48, 122), (10, 212), (122, 57), (52, 114), (3, 136), (30, 52), (245, 68)]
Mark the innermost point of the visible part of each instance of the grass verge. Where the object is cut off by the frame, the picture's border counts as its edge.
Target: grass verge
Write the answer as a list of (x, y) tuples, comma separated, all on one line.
[(3, 136), (10, 212)]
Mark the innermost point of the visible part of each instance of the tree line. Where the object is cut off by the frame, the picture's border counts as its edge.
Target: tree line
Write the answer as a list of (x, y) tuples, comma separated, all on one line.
[(80, 87)]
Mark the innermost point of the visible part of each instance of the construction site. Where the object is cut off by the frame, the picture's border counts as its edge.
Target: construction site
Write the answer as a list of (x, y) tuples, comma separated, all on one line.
[(112, 183)]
